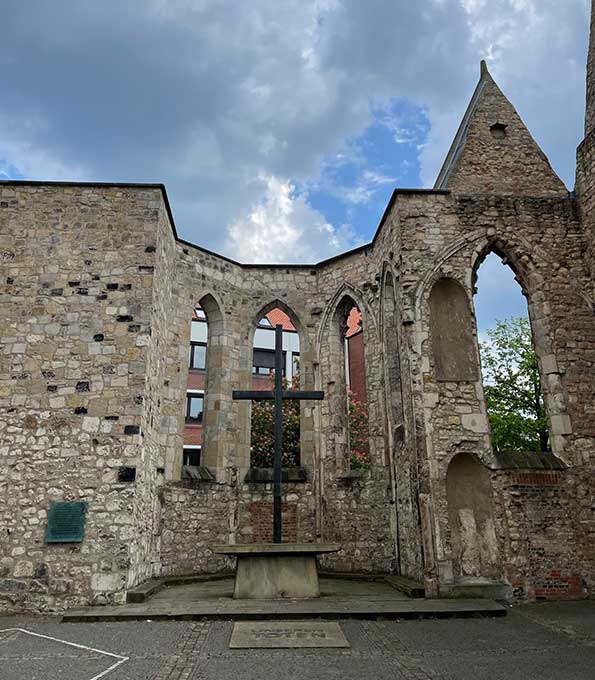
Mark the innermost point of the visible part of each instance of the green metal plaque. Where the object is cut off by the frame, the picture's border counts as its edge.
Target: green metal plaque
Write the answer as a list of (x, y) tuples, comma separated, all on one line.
[(66, 522)]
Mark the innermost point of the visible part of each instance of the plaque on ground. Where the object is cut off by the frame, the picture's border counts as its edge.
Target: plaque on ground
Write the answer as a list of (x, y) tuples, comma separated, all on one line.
[(286, 634)]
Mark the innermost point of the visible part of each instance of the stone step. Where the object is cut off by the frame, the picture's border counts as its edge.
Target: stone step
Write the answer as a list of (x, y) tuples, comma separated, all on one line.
[(491, 590), (228, 609), (406, 585), (144, 591)]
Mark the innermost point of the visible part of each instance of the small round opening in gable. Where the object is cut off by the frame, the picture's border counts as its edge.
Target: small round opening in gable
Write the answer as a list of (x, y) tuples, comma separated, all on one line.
[(498, 130)]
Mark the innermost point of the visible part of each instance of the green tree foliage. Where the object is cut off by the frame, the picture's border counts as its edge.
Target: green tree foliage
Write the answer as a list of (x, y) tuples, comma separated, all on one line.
[(359, 434), (262, 451), (513, 388)]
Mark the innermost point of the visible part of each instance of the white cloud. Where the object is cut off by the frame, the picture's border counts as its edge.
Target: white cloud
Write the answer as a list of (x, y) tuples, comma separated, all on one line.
[(282, 227), (211, 96), (536, 51)]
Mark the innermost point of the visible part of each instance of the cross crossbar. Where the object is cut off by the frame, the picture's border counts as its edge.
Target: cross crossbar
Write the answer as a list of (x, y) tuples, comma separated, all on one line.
[(263, 395), (278, 394)]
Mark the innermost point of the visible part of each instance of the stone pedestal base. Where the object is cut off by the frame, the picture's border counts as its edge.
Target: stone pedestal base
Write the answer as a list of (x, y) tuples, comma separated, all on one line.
[(269, 571)]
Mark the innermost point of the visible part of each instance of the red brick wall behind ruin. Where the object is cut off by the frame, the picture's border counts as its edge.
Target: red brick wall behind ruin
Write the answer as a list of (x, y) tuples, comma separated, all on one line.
[(357, 367), (545, 528)]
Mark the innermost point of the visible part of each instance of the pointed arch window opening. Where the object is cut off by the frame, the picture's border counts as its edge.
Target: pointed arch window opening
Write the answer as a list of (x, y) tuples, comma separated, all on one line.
[(205, 322), (263, 376), (356, 402), (513, 388)]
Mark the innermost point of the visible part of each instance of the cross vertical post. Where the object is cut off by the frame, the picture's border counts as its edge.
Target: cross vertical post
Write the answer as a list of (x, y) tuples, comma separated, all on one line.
[(278, 394), (278, 460)]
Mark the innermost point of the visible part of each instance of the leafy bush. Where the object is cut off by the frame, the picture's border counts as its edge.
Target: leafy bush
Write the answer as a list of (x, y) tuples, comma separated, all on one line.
[(359, 434), (513, 388), (262, 449)]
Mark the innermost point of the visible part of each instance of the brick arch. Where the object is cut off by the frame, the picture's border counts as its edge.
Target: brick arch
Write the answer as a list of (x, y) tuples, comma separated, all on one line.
[(213, 310), (438, 270), (522, 261), (349, 291), (293, 316)]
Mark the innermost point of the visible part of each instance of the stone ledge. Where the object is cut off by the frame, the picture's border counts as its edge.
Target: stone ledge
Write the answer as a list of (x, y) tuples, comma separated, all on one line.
[(297, 475), (513, 460), (349, 475), (197, 473), (275, 548)]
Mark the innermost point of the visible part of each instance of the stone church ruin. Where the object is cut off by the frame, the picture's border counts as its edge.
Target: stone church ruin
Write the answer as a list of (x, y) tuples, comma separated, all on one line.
[(97, 291)]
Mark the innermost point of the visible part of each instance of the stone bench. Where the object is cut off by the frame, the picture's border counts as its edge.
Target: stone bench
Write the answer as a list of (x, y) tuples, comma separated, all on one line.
[(270, 571)]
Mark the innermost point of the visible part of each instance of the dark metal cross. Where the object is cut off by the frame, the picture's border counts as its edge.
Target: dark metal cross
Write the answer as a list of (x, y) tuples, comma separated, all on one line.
[(278, 394)]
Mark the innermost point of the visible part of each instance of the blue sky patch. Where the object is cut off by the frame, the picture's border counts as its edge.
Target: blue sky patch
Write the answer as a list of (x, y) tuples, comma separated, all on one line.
[(355, 186)]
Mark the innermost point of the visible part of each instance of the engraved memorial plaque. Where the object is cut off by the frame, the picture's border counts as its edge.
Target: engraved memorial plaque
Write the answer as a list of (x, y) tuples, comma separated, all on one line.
[(286, 634), (66, 522)]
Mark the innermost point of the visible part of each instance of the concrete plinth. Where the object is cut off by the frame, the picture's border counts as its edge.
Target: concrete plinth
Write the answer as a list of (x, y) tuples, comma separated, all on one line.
[(270, 571)]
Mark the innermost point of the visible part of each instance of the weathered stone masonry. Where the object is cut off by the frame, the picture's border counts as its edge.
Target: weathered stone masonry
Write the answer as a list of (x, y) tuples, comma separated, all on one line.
[(95, 294)]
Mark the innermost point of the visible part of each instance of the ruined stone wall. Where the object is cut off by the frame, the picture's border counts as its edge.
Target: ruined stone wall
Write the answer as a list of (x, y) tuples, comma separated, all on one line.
[(76, 292), (358, 511), (590, 112), (145, 546), (446, 236), (585, 166), (585, 189), (329, 508), (94, 374), (199, 515)]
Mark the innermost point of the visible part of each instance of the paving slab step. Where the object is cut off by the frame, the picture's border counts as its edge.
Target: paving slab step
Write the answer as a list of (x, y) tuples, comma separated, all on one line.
[(228, 609)]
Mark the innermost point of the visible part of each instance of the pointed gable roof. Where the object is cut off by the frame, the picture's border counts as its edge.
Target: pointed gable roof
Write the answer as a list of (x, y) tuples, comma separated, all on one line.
[(494, 152)]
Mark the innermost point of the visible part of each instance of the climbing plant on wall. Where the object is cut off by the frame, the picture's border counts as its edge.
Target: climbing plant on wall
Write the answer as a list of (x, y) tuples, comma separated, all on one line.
[(512, 387), (263, 430), (359, 433)]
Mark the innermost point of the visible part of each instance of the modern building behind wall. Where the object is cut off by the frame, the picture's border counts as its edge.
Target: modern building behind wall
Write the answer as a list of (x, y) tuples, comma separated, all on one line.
[(262, 369), (96, 292), (263, 361)]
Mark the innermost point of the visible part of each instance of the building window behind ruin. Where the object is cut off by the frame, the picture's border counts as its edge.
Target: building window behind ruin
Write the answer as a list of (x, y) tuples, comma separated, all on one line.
[(198, 356), (191, 462), (202, 427), (263, 375), (451, 326), (194, 407), (191, 456)]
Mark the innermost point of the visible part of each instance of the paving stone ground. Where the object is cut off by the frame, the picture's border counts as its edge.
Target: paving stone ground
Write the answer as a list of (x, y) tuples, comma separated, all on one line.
[(543, 641)]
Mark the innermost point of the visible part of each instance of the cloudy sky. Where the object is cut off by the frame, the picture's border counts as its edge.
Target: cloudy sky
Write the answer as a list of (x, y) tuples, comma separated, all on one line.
[(279, 127)]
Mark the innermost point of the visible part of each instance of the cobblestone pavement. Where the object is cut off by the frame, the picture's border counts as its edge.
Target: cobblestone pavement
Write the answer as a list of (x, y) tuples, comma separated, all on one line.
[(546, 642)]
